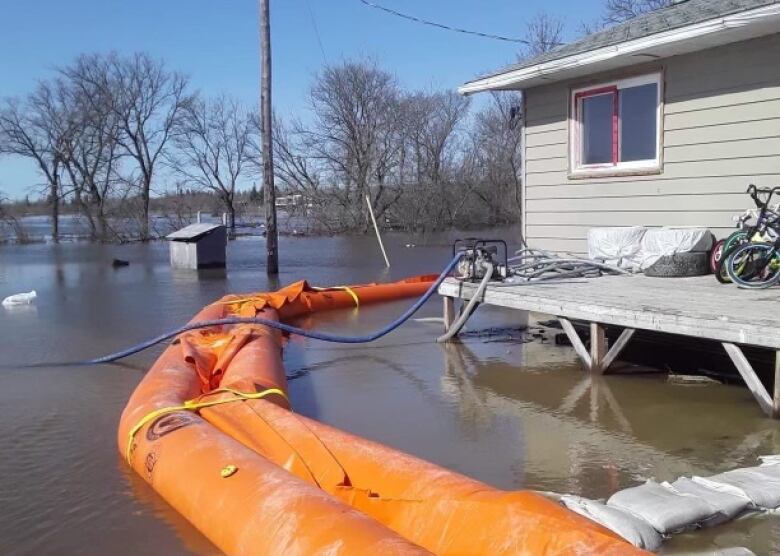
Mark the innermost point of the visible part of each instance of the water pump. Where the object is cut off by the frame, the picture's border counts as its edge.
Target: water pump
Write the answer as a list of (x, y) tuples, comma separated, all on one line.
[(476, 253)]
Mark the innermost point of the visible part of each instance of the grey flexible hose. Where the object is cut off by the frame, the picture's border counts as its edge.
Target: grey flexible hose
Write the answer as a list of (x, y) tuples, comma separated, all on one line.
[(456, 327)]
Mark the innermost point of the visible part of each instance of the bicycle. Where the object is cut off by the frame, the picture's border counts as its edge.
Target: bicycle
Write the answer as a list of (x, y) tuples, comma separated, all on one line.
[(755, 264), (763, 229)]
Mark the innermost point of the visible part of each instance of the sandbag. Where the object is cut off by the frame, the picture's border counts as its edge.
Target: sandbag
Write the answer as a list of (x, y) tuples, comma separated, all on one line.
[(728, 505), (663, 508), (760, 484), (631, 528)]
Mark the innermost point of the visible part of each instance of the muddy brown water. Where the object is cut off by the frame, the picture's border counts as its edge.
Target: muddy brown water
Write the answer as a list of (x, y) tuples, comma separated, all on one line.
[(510, 413)]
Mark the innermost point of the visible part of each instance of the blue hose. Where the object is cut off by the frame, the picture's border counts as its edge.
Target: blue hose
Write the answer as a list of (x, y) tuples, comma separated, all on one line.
[(313, 334)]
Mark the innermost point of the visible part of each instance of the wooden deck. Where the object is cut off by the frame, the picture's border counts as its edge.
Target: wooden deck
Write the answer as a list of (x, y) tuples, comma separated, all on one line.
[(699, 307)]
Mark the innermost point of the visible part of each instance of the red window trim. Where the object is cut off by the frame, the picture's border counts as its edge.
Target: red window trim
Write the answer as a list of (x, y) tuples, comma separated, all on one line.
[(613, 90)]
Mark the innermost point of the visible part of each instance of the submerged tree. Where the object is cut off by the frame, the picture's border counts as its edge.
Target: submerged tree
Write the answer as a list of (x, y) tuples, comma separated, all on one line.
[(494, 157), (37, 128), (146, 99), (354, 135), (91, 155), (431, 159), (212, 142)]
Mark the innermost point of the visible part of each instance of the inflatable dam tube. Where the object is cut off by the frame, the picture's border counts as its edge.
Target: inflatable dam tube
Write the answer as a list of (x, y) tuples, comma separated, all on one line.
[(210, 429)]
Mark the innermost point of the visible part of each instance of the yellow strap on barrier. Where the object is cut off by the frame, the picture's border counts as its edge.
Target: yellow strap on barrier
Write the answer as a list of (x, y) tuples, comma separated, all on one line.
[(347, 289), (195, 405), (239, 300)]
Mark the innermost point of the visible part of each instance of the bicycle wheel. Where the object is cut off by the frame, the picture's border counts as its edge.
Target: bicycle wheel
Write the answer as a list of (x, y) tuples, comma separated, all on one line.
[(754, 265), (716, 254), (732, 243)]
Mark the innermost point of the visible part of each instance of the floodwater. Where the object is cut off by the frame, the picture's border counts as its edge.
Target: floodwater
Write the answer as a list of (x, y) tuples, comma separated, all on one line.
[(510, 412)]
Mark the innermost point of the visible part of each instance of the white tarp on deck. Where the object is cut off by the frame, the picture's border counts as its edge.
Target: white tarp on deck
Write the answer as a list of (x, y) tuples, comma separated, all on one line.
[(637, 247)]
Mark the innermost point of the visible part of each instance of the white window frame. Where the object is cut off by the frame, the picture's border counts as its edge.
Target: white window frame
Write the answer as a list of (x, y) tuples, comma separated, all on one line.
[(577, 169)]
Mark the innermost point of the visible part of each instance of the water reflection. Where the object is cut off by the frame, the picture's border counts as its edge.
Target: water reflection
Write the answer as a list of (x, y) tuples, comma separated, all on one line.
[(27, 310), (599, 394), (617, 423)]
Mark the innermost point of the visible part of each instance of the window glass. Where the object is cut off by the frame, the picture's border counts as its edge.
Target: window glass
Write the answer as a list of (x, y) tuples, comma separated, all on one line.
[(638, 121), (597, 113)]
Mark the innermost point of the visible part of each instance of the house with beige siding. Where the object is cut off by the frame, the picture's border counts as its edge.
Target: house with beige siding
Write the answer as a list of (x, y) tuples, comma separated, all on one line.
[(660, 121)]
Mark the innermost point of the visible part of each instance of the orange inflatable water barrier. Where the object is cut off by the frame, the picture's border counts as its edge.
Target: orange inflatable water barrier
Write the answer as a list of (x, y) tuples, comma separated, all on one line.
[(210, 428)]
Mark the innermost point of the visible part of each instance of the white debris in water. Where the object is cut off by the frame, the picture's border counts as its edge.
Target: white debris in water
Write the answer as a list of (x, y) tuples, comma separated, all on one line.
[(20, 298)]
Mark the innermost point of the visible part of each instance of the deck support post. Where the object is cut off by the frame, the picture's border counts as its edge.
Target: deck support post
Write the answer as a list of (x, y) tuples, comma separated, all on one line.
[(617, 348), (599, 359), (598, 347), (576, 341), (776, 405), (449, 312), (751, 379)]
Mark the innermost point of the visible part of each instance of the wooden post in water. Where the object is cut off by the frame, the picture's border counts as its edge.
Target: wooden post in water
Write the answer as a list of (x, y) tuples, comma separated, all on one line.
[(598, 347), (376, 229), (272, 238)]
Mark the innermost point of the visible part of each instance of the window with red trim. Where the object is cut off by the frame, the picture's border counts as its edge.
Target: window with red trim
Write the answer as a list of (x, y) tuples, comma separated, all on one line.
[(616, 125)]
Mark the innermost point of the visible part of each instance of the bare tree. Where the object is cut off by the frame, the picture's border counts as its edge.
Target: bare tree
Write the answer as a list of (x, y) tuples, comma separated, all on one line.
[(147, 101), (294, 168), (543, 33), (430, 159), (299, 172), (212, 148), (37, 128), (618, 11), (9, 220), (493, 160), (355, 136), (91, 155)]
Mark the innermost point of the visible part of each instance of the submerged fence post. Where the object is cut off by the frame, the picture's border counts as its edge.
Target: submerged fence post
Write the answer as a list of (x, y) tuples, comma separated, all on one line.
[(376, 229)]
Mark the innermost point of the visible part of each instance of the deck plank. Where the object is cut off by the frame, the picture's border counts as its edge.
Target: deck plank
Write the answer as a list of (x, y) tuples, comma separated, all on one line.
[(698, 307)]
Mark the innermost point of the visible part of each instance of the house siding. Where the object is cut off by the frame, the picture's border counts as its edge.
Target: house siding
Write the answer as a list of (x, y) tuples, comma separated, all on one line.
[(721, 132)]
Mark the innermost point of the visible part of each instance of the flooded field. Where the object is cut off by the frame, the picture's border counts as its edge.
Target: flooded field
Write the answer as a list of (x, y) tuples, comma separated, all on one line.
[(513, 411)]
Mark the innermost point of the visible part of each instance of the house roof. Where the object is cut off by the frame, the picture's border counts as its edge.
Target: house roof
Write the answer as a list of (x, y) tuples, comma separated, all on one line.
[(642, 29)]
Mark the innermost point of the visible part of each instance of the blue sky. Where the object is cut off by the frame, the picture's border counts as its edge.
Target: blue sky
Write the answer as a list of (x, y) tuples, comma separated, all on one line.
[(215, 42)]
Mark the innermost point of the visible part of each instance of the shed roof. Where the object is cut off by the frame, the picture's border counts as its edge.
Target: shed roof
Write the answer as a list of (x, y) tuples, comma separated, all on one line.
[(677, 16), (193, 232)]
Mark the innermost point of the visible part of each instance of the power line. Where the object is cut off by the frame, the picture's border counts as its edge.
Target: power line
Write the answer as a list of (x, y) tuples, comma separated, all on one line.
[(441, 25), (316, 30)]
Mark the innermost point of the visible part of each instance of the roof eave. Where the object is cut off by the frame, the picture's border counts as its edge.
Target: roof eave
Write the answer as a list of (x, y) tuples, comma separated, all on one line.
[(691, 38)]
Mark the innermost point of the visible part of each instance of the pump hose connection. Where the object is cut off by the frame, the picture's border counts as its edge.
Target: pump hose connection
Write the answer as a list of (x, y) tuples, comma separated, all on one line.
[(313, 334)]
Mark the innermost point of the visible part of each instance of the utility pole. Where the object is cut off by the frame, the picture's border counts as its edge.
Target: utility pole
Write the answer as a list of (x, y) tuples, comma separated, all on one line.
[(271, 235)]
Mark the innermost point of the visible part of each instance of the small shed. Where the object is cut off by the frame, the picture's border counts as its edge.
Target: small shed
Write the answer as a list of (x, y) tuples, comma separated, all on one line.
[(198, 246)]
